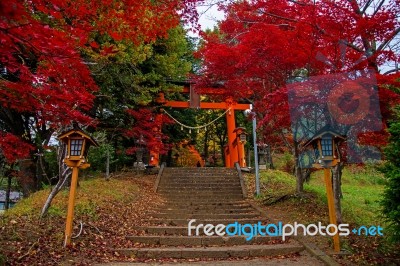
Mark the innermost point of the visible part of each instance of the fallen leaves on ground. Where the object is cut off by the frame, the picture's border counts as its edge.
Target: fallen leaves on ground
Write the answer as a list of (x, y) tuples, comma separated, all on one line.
[(107, 219)]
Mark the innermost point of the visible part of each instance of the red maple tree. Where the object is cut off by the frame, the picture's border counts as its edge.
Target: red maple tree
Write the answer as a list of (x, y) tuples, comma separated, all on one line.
[(45, 83), (263, 45), (147, 129)]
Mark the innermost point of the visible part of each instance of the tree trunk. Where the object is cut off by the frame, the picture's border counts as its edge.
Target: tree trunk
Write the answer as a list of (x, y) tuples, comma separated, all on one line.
[(27, 176), (299, 179), (337, 190), (8, 192), (298, 171), (221, 140), (205, 151), (63, 176), (108, 165), (270, 161)]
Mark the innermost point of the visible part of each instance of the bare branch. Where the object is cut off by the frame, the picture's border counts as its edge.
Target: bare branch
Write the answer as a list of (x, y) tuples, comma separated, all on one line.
[(237, 35), (280, 17), (391, 71), (379, 7), (298, 3), (388, 40), (351, 45), (80, 231), (366, 6)]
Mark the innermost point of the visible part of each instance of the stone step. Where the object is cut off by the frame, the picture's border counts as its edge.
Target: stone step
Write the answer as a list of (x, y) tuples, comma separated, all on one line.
[(206, 216), (240, 251), (200, 191), (203, 203), (162, 230), (208, 196), (203, 240), (176, 201), (181, 222), (202, 198), (213, 181), (198, 185), (198, 194), (203, 209), (197, 210), (168, 230), (201, 172), (203, 194), (201, 186), (200, 175), (200, 169), (206, 173)]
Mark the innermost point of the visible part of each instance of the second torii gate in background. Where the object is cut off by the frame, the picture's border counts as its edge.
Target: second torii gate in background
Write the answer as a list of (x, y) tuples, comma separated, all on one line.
[(233, 151)]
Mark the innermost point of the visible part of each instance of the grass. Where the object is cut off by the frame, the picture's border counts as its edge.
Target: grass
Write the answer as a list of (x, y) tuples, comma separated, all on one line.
[(362, 189), (91, 193), (273, 182)]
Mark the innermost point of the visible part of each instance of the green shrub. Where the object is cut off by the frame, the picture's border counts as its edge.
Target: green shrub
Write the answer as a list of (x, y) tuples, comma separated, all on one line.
[(97, 157), (391, 200)]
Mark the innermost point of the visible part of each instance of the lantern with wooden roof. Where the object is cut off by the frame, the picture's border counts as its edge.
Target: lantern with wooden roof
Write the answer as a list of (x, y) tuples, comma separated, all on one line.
[(325, 145), (78, 143)]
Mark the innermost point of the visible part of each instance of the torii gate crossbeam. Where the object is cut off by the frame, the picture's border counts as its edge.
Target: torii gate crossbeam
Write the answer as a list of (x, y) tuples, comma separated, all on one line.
[(230, 121), (232, 152)]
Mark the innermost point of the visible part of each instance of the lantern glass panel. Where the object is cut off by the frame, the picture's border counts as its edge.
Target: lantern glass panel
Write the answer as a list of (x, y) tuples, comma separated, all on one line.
[(76, 147), (327, 147)]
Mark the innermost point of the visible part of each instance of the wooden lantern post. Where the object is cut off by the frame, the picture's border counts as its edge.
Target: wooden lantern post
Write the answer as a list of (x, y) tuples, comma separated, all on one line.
[(241, 138), (78, 144), (326, 156)]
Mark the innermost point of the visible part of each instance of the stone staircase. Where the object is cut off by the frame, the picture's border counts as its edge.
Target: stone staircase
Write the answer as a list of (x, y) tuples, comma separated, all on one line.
[(211, 196)]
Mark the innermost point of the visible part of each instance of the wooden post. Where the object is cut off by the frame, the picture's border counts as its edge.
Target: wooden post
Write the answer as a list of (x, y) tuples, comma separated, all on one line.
[(108, 164), (240, 147), (233, 151), (243, 155), (331, 206), (71, 204)]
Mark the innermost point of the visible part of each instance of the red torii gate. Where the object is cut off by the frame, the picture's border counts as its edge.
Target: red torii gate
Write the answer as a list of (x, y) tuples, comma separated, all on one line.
[(234, 149)]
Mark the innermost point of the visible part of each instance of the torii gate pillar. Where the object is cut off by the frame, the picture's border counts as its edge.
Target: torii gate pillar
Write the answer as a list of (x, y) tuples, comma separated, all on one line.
[(227, 156), (233, 150)]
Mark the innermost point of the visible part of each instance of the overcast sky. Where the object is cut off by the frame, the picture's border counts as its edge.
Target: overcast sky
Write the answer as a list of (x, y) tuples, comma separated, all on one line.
[(209, 16)]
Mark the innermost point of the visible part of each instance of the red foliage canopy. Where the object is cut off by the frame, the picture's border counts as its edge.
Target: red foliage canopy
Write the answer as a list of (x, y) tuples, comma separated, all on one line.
[(147, 129), (13, 148), (264, 44), (42, 71)]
